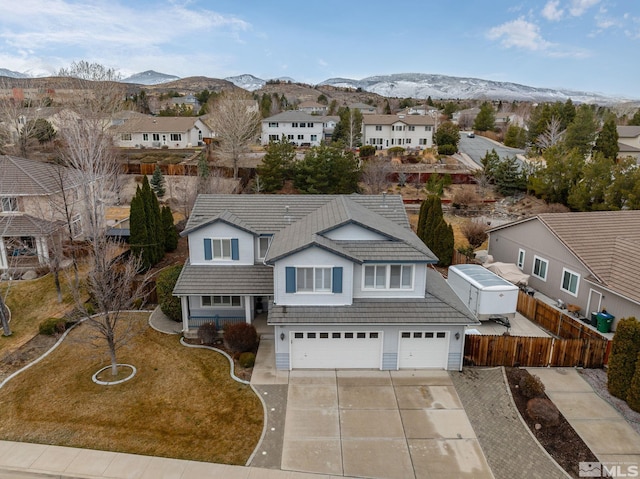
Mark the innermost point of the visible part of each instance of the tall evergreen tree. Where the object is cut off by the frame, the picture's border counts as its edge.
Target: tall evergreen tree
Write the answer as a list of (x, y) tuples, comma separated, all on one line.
[(607, 141), (138, 237), (276, 164), (624, 354), (581, 132), (157, 182), (327, 170), (635, 119), (169, 228), (434, 231), (486, 119)]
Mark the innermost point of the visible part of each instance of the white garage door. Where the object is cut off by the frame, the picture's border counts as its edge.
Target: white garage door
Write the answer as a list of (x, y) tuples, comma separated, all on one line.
[(336, 350), (420, 349)]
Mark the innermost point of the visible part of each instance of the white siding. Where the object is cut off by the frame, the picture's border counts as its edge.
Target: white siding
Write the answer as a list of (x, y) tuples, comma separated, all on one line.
[(313, 257), (353, 232), (221, 230)]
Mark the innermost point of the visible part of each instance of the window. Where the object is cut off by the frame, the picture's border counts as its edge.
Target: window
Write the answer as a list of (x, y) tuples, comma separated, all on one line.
[(300, 137), (314, 137), (310, 125), (273, 124), (570, 281), (378, 127), (125, 137), (156, 136), (145, 137), (395, 276), (211, 301), (76, 225), (9, 204), (274, 137), (221, 248), (263, 245), (422, 141), (176, 137), (302, 125), (294, 124), (520, 262), (408, 141), (540, 268), (412, 128), (298, 335), (313, 279), (427, 128), (290, 137)]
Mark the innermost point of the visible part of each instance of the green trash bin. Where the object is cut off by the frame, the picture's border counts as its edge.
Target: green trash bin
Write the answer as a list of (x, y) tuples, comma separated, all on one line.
[(604, 322)]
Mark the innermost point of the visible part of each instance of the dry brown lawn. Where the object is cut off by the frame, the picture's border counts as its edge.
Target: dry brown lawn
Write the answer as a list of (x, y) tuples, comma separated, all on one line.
[(181, 403)]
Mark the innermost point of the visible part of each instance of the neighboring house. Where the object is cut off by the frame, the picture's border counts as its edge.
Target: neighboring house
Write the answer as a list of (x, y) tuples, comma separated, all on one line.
[(313, 108), (629, 142), (32, 217), (189, 101), (588, 259), (505, 119), (406, 131), (364, 108), (298, 127), (345, 281), (328, 126), (161, 132), (465, 118)]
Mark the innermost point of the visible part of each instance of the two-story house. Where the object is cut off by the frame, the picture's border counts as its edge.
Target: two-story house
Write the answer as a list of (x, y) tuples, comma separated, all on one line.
[(160, 132), (406, 131), (345, 281), (590, 259), (33, 216), (297, 127), (629, 142)]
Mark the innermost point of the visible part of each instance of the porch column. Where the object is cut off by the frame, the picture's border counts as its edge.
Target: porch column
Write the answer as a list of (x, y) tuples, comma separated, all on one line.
[(42, 250), (184, 302), (247, 309), (4, 264)]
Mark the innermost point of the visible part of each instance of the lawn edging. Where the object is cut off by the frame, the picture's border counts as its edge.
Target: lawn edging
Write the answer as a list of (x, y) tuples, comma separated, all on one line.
[(526, 426), (242, 381)]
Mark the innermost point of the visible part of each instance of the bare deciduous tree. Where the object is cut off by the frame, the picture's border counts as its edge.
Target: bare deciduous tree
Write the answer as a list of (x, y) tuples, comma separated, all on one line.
[(375, 174), (551, 136), (236, 122)]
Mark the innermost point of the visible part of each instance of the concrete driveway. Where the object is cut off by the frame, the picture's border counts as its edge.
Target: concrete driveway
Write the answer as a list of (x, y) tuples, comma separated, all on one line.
[(379, 424)]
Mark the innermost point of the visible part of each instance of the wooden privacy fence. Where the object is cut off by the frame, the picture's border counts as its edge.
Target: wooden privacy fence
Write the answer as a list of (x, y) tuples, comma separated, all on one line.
[(533, 351), (553, 320)]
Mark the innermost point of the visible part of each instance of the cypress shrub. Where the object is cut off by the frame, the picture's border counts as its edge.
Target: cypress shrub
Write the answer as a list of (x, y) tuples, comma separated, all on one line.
[(166, 281), (624, 354), (633, 394), (170, 232)]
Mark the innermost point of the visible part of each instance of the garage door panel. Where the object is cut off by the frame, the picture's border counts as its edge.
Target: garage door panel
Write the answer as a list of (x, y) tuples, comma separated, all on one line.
[(336, 350), (423, 349)]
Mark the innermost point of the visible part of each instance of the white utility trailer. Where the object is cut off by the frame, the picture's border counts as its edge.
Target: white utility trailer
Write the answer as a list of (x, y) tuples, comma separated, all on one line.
[(487, 295)]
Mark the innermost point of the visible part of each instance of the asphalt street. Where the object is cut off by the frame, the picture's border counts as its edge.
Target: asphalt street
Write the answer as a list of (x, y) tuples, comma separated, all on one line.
[(478, 147)]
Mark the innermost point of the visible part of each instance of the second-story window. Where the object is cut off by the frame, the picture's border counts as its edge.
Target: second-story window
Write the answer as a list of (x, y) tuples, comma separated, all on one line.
[(220, 248), (385, 276), (9, 204), (313, 279), (263, 245)]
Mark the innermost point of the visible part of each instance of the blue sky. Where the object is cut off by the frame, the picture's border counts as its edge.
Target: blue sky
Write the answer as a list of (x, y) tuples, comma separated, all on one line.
[(590, 45)]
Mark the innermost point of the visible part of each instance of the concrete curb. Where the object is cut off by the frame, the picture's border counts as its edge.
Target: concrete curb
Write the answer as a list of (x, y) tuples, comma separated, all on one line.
[(513, 403)]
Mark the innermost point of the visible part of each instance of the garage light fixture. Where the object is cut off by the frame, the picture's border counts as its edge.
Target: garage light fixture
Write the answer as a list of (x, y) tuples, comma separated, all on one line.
[(457, 335), (281, 336)]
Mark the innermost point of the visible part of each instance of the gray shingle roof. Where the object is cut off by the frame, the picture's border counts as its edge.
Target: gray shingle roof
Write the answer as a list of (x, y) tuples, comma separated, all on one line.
[(439, 306), (15, 225), (157, 124), (628, 131), (605, 242), (226, 280), (23, 177), (415, 120)]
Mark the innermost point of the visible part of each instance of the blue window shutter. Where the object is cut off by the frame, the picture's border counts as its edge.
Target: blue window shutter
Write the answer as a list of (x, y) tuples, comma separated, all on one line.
[(235, 255), (337, 279), (291, 279), (208, 255)]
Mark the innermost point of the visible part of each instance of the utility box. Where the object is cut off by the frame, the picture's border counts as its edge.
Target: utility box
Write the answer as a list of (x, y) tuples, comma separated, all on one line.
[(486, 294)]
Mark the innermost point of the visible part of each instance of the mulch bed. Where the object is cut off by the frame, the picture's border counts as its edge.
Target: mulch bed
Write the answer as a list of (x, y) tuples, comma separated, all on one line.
[(27, 353), (239, 371), (562, 442)]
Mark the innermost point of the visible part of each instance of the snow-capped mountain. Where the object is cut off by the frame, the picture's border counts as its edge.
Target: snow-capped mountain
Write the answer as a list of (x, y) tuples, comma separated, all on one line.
[(150, 77), (247, 82), (422, 85), (11, 74)]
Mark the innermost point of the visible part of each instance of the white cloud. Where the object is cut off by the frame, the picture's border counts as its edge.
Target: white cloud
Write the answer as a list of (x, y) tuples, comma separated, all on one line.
[(519, 34), (322, 63), (552, 12), (578, 7)]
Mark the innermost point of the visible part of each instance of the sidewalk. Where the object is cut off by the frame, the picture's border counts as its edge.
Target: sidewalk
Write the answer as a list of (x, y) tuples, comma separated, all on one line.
[(600, 426)]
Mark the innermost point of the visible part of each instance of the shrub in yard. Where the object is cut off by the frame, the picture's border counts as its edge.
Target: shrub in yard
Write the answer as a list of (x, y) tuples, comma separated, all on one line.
[(240, 337), (543, 411), (52, 326), (247, 360), (633, 394), (207, 333), (367, 150), (531, 386), (624, 354), (476, 233), (166, 281)]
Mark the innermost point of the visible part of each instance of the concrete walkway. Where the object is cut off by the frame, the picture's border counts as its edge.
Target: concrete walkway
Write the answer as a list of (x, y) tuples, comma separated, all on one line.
[(507, 443), (601, 426)]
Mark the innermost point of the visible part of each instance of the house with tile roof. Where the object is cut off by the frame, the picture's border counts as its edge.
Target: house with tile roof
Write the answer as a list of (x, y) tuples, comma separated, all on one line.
[(343, 279), (33, 218), (405, 131), (588, 259), (629, 142), (173, 132)]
